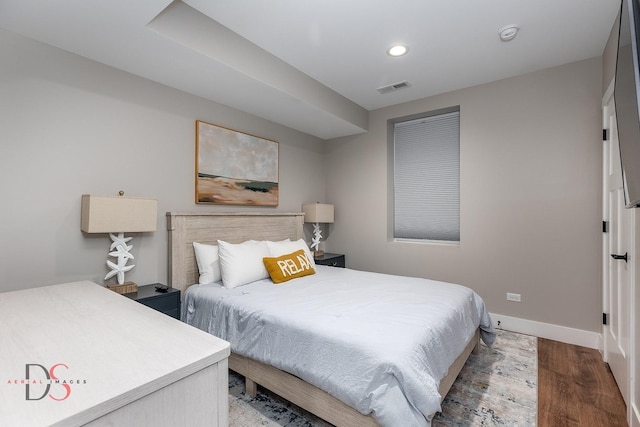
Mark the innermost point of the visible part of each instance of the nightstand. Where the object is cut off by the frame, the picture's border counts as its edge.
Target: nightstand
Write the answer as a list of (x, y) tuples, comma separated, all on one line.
[(167, 302), (332, 260)]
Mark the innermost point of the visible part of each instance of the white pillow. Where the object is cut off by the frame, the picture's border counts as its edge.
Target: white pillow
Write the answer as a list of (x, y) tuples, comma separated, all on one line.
[(242, 263), (279, 241), (282, 248), (208, 263)]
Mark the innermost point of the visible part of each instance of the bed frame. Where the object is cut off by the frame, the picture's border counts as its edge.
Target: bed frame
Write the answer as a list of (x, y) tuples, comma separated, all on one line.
[(185, 228)]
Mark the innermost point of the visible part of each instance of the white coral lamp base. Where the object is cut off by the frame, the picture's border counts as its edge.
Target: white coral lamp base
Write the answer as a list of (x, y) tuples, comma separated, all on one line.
[(120, 250), (315, 242)]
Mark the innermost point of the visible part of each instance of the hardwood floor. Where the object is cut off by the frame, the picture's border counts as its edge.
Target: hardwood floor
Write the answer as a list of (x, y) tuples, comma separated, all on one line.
[(576, 388)]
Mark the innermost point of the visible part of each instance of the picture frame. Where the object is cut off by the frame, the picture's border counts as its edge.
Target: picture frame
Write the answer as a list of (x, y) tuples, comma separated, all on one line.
[(235, 168)]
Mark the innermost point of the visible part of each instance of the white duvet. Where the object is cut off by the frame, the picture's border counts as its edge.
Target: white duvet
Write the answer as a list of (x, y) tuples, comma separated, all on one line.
[(379, 343)]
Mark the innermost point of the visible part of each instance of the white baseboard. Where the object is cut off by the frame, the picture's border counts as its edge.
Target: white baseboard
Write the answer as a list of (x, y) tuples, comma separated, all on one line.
[(635, 416), (549, 331)]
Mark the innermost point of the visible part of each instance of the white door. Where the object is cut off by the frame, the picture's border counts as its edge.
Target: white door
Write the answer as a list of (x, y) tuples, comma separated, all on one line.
[(617, 273)]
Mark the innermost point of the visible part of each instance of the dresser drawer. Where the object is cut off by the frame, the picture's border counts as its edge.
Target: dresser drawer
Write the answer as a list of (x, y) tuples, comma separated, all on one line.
[(332, 260), (175, 313), (162, 303), (165, 302)]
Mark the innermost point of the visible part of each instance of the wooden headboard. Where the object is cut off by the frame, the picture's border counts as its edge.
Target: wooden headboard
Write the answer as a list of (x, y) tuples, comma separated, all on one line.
[(186, 228)]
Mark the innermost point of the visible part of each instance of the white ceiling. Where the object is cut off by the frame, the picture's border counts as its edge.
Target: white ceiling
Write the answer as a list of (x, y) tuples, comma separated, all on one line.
[(315, 65)]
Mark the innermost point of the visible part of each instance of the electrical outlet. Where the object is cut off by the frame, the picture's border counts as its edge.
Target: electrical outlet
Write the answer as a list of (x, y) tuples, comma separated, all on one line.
[(513, 297)]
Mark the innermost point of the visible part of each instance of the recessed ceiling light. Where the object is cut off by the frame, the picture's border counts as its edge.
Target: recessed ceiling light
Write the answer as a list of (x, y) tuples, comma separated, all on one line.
[(508, 33), (398, 50)]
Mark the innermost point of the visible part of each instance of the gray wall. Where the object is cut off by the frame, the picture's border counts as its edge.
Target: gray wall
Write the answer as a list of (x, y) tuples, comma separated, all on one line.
[(610, 55), (71, 126), (530, 180), (530, 196)]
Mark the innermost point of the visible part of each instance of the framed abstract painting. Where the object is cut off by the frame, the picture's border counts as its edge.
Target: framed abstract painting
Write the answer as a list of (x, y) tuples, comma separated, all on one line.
[(235, 168)]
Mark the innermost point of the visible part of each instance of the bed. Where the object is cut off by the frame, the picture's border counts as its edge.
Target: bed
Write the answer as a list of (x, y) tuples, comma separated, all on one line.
[(307, 389)]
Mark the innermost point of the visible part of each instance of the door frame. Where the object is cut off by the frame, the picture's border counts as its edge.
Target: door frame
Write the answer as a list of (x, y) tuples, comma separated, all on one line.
[(605, 218), (633, 362)]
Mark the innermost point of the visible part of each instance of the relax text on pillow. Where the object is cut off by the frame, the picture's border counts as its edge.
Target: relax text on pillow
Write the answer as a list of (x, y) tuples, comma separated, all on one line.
[(289, 266)]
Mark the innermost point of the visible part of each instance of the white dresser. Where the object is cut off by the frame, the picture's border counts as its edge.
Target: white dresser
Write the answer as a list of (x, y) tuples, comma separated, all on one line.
[(79, 354)]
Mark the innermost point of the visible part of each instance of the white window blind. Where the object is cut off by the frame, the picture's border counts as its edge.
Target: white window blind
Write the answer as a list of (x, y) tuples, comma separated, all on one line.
[(427, 178)]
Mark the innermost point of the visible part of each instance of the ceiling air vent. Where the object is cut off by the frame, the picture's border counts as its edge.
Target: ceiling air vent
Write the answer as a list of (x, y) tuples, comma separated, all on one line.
[(393, 87)]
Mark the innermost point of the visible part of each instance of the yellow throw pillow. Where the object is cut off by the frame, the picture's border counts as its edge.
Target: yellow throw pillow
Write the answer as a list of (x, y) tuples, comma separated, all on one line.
[(289, 266)]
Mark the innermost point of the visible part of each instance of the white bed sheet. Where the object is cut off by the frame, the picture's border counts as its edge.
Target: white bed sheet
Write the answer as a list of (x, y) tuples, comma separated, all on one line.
[(380, 343)]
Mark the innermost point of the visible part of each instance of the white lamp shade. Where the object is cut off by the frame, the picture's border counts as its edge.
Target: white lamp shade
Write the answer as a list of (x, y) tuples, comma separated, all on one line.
[(115, 214), (318, 212)]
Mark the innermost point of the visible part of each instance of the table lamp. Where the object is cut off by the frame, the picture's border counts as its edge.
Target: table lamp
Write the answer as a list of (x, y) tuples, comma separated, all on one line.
[(317, 213), (117, 215)]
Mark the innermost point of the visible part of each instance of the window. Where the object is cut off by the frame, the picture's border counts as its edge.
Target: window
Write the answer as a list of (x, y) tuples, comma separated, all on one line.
[(426, 176)]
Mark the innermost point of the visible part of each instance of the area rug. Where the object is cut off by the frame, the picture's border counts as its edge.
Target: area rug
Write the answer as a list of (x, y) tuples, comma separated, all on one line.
[(497, 387)]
